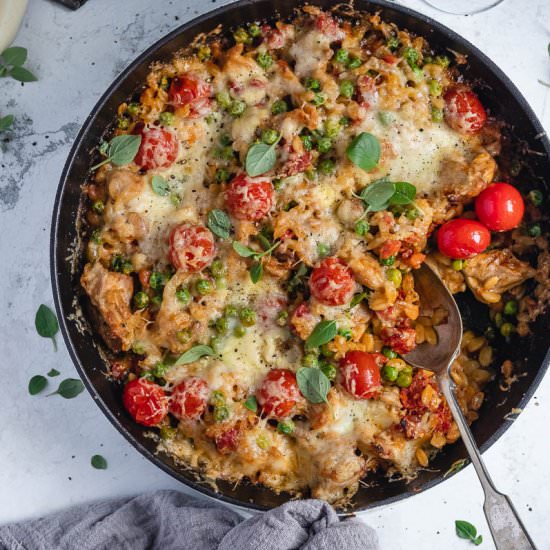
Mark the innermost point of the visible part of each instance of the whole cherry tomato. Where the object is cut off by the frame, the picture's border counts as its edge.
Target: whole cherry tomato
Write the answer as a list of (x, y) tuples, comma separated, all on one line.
[(331, 282), (191, 247), (189, 398), (463, 110), (279, 393), (228, 440), (249, 198), (145, 401), (158, 149), (360, 373), (193, 91), (500, 207), (461, 238)]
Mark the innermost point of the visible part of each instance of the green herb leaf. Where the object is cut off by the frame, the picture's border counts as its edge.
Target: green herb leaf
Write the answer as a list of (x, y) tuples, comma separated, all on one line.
[(121, 150), (15, 56), (251, 404), (69, 388), (377, 195), (53, 372), (456, 467), (357, 299), (256, 272), (405, 193), (99, 462), (194, 354), (466, 530), (6, 122), (37, 384), (242, 250), (46, 323), (323, 332), (22, 75), (160, 186), (219, 223), (364, 151), (313, 384), (260, 158)]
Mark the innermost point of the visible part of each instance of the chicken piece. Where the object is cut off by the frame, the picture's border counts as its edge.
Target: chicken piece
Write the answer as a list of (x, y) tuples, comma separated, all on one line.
[(365, 267), (453, 279)]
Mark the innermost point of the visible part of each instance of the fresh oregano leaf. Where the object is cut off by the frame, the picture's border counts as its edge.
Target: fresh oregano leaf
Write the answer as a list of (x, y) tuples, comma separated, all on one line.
[(69, 388), (15, 56), (256, 272), (251, 403), (37, 384), (466, 530), (364, 151), (323, 332), (261, 158), (194, 354), (357, 299), (313, 384), (6, 122), (98, 462), (46, 323), (377, 194), (219, 223), (456, 466), (22, 75), (160, 186), (121, 150), (405, 193), (53, 372), (243, 250)]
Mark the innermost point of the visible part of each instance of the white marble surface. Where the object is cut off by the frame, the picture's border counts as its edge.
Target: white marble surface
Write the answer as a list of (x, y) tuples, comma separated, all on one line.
[(46, 443)]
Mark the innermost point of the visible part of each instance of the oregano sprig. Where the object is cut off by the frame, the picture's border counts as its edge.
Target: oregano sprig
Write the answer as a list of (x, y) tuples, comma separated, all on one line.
[(256, 269), (46, 324), (466, 530), (261, 158), (11, 64), (6, 122), (121, 150)]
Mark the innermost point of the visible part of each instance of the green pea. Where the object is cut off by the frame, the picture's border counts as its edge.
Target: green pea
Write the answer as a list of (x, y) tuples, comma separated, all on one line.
[(241, 36), (345, 121), (222, 325), (332, 127), (224, 99), (230, 311), (157, 280), (395, 276), (499, 319), (387, 261), (442, 60), (133, 109), (254, 30), (239, 331), (95, 237), (341, 56), (388, 352), (264, 60), (411, 56), (141, 300), (247, 316), (328, 369), (510, 307), (183, 295), (390, 373), (437, 114), (324, 144), (123, 123), (122, 265), (536, 197), (221, 413), (159, 370), (263, 442), (323, 250), (222, 175), (166, 118), (204, 287), (347, 89), (98, 207), (310, 360), (138, 348), (534, 230), (307, 142), (286, 427), (428, 59), (404, 379), (312, 84), (318, 99), (270, 136), (237, 108), (386, 118), (282, 318), (354, 62), (167, 432), (217, 398), (457, 265), (204, 52), (435, 88), (412, 213), (392, 43), (362, 227), (279, 107), (183, 336), (217, 269), (326, 166), (326, 352), (156, 301), (506, 329)]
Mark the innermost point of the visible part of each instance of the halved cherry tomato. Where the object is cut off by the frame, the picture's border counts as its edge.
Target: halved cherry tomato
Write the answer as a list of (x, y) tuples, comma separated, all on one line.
[(461, 238), (331, 282), (279, 393), (189, 398), (500, 207), (193, 91), (191, 247), (360, 373), (145, 401), (463, 110), (158, 149), (249, 198), (227, 440)]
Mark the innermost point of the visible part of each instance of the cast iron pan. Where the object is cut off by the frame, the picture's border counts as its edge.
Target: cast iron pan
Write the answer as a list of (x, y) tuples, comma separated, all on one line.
[(523, 135)]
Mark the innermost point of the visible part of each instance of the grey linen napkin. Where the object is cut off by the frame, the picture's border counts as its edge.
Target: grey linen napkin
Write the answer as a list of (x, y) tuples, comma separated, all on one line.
[(167, 520)]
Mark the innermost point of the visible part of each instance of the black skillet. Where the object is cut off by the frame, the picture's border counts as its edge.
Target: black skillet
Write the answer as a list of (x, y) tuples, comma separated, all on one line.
[(525, 144)]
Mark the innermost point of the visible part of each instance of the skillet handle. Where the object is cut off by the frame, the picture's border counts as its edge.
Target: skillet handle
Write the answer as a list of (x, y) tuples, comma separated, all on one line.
[(506, 527)]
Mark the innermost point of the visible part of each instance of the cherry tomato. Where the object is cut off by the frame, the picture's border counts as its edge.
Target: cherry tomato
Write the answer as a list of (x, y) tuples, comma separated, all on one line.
[(463, 110), (189, 398), (500, 207), (329, 27), (192, 91), (461, 238), (191, 247), (227, 440), (249, 198), (360, 373), (145, 401), (279, 393), (158, 149), (331, 282)]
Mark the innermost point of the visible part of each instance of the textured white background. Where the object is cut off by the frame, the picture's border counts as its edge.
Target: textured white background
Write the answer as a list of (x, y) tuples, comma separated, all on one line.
[(46, 443)]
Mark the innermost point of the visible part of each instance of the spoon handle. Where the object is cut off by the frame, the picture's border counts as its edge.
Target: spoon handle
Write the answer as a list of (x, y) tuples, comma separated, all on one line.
[(506, 527)]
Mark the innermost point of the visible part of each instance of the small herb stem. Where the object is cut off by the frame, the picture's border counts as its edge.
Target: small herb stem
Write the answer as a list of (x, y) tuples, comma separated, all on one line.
[(268, 251), (54, 344), (108, 159)]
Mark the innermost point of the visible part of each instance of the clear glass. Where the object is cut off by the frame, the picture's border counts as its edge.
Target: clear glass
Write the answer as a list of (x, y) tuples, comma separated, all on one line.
[(463, 7)]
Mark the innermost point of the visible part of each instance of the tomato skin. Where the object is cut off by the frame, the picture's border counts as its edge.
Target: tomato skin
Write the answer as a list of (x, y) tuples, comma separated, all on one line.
[(500, 207), (189, 398), (190, 90), (329, 27), (401, 338), (158, 149), (463, 110), (279, 393), (331, 282), (249, 198), (389, 248), (227, 441), (192, 247), (360, 373), (145, 401), (461, 238)]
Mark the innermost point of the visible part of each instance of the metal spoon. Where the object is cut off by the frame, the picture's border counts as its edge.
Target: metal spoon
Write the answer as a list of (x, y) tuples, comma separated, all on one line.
[(506, 527)]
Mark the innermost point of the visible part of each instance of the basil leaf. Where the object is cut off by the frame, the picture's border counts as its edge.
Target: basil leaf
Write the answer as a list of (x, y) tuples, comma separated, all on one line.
[(219, 223), (377, 195), (15, 56), (256, 272), (260, 159), (53, 372), (364, 151), (37, 384), (98, 462), (466, 530), (22, 75), (313, 384), (323, 332), (69, 388), (251, 404), (46, 323), (160, 186), (123, 149), (405, 193), (243, 250), (194, 354), (6, 122)]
